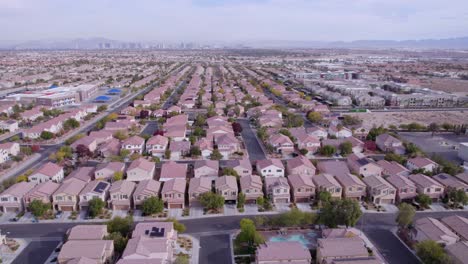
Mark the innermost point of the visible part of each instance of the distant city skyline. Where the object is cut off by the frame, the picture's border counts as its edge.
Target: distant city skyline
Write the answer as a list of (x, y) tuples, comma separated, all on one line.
[(233, 20)]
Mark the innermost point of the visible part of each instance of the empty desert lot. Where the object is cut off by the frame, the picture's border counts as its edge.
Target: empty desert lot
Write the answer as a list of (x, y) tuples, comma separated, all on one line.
[(423, 117)]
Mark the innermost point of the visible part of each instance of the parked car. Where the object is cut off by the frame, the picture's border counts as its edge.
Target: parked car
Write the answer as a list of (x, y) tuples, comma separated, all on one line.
[(14, 219)]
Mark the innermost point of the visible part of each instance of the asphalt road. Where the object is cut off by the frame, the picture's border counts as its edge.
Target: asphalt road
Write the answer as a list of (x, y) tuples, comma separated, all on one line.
[(251, 141), (390, 247), (215, 249), (36, 252), (150, 129)]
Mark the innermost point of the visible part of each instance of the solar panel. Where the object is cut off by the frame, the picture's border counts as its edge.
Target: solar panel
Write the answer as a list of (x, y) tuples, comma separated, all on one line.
[(100, 187), (155, 232)]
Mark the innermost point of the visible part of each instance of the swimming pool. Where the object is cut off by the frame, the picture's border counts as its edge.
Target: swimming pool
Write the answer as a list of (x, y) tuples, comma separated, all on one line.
[(296, 237)]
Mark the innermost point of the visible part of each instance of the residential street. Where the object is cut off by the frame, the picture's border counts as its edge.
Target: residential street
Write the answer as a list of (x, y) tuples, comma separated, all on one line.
[(251, 142)]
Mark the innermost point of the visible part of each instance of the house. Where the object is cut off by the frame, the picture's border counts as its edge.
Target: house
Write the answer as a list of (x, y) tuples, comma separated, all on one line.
[(462, 177), (420, 163), (98, 251), (9, 125), (302, 188), (157, 145), (405, 188), (87, 232), (270, 168), (8, 150), (101, 136), (173, 193), (82, 173), (107, 171), (281, 143), (388, 143), (379, 190), (94, 189), (47, 172), (89, 142), (450, 182), (140, 169), (42, 192), (173, 170), (120, 195), (252, 187), (458, 252), (300, 165), (309, 142), (226, 186), (227, 145), (144, 190), (458, 224), (243, 167), (353, 186), (110, 148), (277, 189), (427, 185), (147, 229), (333, 167), (341, 248), (339, 131), (11, 200), (65, 198), (206, 169), (134, 144), (148, 248), (198, 186), (361, 165), (179, 149), (325, 182), (317, 132), (429, 228), (282, 252), (390, 168), (206, 147), (33, 114)]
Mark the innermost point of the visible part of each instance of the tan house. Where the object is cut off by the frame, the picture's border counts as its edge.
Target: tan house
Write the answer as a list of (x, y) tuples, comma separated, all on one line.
[(458, 252), (429, 228), (11, 200), (252, 187), (302, 188), (173, 193), (390, 168), (157, 145), (353, 186), (281, 143), (300, 165), (42, 192), (379, 190), (457, 224), (144, 190), (198, 186), (420, 163), (282, 252), (361, 165), (427, 185), (134, 144), (206, 169), (87, 232), (243, 167), (450, 182), (405, 188), (100, 251), (120, 195), (48, 172), (326, 182), (65, 198), (106, 171), (277, 189), (226, 186), (270, 168), (140, 169), (94, 189), (330, 249)]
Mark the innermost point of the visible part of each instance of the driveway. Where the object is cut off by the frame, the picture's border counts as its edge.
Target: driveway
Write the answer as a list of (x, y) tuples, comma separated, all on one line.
[(36, 252), (251, 142), (215, 249), (196, 211), (150, 129)]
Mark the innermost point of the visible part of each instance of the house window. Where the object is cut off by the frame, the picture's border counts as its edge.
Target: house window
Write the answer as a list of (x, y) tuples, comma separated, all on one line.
[(4, 199), (279, 171), (438, 189)]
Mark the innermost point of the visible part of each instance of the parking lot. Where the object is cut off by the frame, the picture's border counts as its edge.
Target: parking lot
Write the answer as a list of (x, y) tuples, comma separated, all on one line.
[(442, 144)]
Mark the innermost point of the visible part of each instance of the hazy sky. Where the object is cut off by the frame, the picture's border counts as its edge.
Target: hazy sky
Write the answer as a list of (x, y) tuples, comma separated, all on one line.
[(233, 20)]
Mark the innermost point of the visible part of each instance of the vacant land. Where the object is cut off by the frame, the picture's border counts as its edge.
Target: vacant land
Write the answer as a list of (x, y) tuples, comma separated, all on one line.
[(447, 85), (397, 118)]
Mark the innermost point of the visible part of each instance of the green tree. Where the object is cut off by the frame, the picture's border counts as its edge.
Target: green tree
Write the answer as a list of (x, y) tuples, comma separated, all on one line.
[(433, 128), (430, 252), (249, 234), (95, 207), (211, 201), (70, 123), (346, 148), (120, 242), (124, 153), (395, 157), (167, 154), (120, 225), (342, 212), (179, 227), (458, 198), (324, 197), (152, 205), (195, 151), (120, 135), (118, 176), (46, 135), (405, 215), (314, 117), (349, 120), (39, 208), (182, 259), (102, 108), (375, 132), (327, 150), (424, 200), (216, 155), (22, 178), (240, 200), (230, 171)]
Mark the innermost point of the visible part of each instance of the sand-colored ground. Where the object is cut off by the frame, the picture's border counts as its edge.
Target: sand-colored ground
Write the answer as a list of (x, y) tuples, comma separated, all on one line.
[(397, 118), (447, 85)]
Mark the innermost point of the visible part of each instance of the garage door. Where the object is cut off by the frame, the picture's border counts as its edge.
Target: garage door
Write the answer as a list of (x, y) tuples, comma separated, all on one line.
[(302, 200), (121, 207), (282, 200), (386, 201), (175, 206), (12, 209), (66, 208)]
